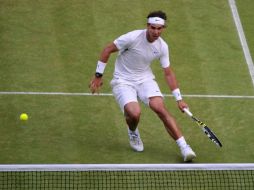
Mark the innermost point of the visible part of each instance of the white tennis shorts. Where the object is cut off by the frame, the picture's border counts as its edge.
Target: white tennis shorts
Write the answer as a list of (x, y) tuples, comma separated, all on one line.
[(126, 92)]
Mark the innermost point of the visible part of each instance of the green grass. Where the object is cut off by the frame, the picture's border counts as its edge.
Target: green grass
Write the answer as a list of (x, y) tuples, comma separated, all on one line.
[(245, 10), (53, 46)]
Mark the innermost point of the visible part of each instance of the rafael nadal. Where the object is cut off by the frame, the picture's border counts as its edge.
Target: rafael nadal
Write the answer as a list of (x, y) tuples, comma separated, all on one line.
[(133, 80)]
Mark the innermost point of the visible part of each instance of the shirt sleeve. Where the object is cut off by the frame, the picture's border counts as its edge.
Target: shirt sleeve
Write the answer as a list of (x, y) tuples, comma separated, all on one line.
[(124, 41), (164, 59)]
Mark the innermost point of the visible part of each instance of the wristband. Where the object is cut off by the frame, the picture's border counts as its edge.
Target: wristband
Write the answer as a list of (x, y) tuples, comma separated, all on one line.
[(177, 94), (100, 67)]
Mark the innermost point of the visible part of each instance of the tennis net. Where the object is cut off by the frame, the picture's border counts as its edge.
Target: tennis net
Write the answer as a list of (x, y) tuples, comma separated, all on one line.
[(128, 176)]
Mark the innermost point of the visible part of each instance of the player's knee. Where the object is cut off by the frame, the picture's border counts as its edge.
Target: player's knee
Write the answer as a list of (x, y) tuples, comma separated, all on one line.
[(134, 115), (157, 105), (132, 111)]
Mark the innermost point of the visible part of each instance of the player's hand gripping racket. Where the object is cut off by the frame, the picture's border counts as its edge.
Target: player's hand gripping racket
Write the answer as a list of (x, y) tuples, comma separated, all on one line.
[(206, 130)]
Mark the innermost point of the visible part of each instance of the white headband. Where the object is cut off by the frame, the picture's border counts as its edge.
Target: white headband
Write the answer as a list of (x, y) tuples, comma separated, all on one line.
[(156, 20)]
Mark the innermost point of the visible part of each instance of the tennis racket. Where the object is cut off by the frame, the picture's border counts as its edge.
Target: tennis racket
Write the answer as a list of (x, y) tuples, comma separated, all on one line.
[(204, 127)]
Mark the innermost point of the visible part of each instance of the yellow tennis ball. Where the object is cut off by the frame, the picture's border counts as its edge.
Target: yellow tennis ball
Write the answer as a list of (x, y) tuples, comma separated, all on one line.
[(23, 117)]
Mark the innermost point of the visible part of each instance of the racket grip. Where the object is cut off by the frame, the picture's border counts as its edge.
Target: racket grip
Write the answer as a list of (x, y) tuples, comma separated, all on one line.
[(187, 111)]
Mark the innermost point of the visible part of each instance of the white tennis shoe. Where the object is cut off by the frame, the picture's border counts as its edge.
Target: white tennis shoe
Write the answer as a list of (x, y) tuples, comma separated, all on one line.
[(188, 154), (135, 141)]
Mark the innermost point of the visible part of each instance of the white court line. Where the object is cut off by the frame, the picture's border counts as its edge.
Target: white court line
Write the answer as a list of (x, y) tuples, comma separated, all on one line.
[(242, 38), (56, 93), (109, 94)]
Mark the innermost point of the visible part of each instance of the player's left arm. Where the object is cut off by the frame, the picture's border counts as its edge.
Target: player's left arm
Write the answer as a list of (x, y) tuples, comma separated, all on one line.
[(173, 85)]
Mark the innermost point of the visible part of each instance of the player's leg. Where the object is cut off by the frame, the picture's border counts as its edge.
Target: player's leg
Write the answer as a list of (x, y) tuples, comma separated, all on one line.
[(126, 96), (150, 94), (158, 106), (132, 114)]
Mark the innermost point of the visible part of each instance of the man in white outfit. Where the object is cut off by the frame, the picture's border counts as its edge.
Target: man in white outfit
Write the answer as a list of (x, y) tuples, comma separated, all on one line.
[(133, 79)]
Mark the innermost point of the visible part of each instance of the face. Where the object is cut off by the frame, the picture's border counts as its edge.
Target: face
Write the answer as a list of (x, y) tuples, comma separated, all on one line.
[(154, 31)]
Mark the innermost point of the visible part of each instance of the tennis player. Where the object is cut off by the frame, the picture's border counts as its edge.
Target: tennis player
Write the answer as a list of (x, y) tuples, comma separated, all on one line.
[(133, 80)]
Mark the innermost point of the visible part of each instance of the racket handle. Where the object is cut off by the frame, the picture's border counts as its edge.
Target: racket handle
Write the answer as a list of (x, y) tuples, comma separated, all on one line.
[(187, 111)]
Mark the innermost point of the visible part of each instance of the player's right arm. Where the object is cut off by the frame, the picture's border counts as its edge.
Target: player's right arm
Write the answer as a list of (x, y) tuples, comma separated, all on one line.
[(105, 54), (96, 81)]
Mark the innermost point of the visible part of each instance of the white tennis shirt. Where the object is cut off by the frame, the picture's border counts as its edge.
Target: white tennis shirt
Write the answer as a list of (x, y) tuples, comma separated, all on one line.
[(136, 54)]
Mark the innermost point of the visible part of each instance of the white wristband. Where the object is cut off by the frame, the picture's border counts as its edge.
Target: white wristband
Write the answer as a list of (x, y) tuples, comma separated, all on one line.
[(100, 67), (177, 94)]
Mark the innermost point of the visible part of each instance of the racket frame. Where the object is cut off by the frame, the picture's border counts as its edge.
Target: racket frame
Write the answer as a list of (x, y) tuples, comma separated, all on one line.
[(204, 128)]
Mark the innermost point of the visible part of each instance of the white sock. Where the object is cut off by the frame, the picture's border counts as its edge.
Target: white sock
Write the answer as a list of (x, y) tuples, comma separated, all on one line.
[(181, 142)]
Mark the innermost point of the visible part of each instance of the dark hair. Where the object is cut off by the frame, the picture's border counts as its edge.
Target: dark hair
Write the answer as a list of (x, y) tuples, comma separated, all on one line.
[(160, 14)]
